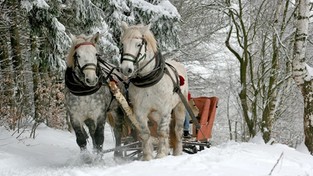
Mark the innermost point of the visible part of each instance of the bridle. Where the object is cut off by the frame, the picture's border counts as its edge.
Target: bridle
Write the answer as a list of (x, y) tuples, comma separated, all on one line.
[(74, 75), (89, 66), (136, 59), (151, 78)]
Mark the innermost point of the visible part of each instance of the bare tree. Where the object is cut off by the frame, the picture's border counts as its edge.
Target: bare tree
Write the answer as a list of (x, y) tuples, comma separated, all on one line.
[(257, 32)]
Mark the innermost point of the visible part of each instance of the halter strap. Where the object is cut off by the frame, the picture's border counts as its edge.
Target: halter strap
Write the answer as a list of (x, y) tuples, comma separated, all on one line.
[(136, 59), (88, 64), (84, 43)]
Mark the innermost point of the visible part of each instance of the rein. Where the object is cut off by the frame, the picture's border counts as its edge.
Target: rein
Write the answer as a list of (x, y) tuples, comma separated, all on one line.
[(182, 97), (154, 76)]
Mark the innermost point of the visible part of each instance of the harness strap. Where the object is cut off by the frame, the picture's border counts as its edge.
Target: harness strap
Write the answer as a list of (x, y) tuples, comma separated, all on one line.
[(108, 69), (154, 76), (175, 83), (89, 64), (180, 94), (141, 68)]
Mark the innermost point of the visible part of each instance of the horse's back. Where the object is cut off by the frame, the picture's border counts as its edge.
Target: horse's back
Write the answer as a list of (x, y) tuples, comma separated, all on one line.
[(178, 66)]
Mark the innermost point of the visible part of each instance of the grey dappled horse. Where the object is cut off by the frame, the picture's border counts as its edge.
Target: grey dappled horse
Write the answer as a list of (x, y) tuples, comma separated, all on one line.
[(88, 98)]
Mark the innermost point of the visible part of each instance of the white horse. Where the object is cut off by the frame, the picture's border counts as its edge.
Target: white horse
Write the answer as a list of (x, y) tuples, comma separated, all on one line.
[(88, 97), (153, 89)]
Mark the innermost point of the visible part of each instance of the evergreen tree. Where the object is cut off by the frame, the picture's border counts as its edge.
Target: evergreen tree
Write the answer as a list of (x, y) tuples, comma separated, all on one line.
[(36, 32), (163, 17)]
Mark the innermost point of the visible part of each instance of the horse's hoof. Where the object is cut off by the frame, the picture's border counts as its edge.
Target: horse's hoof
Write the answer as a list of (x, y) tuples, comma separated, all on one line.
[(97, 151), (83, 148), (177, 153), (118, 154), (86, 157), (160, 155), (147, 158)]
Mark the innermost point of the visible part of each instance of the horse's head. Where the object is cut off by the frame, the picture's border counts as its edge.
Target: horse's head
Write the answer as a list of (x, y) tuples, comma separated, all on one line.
[(83, 58), (139, 46)]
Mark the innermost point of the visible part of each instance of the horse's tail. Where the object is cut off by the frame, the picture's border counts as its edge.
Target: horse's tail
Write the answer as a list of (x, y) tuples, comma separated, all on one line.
[(126, 127)]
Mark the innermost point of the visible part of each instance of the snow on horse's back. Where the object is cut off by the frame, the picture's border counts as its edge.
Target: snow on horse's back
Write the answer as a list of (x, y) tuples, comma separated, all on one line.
[(152, 89)]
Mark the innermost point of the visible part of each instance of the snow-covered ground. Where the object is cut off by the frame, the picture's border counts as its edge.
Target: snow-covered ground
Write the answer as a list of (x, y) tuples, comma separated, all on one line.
[(55, 153)]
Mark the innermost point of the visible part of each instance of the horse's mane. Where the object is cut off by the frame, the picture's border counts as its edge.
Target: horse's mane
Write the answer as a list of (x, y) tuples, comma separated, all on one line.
[(78, 39), (146, 34)]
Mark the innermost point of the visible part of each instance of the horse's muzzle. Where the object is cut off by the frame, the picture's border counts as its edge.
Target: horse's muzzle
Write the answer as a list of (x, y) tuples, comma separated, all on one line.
[(91, 82), (127, 71)]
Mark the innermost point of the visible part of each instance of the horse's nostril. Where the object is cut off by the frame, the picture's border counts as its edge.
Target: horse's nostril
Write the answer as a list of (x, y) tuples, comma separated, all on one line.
[(91, 81), (130, 70)]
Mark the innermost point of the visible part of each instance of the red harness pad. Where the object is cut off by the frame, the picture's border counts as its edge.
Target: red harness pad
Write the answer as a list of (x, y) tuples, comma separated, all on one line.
[(181, 80)]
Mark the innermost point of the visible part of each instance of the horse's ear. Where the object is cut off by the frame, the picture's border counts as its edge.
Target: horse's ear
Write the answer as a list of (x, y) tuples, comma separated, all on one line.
[(146, 28), (73, 37), (95, 38), (124, 25)]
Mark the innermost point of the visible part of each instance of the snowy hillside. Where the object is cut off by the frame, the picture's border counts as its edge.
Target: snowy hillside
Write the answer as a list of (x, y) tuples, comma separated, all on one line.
[(55, 153)]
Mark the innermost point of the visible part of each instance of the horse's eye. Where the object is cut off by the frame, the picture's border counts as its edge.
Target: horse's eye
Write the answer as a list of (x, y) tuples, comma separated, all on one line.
[(138, 45), (76, 56)]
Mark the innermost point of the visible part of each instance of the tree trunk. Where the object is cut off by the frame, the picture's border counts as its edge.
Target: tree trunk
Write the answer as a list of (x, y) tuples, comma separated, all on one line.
[(244, 60), (36, 76), (307, 90), (17, 63), (300, 72), (7, 103), (7, 76), (268, 114)]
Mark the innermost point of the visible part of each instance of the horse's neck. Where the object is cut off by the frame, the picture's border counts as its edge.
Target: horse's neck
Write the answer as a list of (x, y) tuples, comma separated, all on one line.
[(148, 68)]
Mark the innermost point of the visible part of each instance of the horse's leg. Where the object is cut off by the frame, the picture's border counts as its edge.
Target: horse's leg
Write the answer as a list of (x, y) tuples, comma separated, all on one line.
[(96, 132), (144, 134), (80, 133), (118, 118), (179, 114), (118, 140), (99, 134), (92, 128), (163, 136)]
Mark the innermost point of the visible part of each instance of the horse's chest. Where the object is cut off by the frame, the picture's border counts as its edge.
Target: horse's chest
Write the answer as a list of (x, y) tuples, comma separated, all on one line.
[(153, 97), (85, 105)]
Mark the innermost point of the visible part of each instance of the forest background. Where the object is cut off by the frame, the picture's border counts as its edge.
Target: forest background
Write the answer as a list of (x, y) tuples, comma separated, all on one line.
[(250, 48)]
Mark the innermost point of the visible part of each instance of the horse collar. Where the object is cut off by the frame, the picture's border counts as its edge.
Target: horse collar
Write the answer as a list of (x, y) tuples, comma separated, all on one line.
[(77, 87), (154, 77)]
